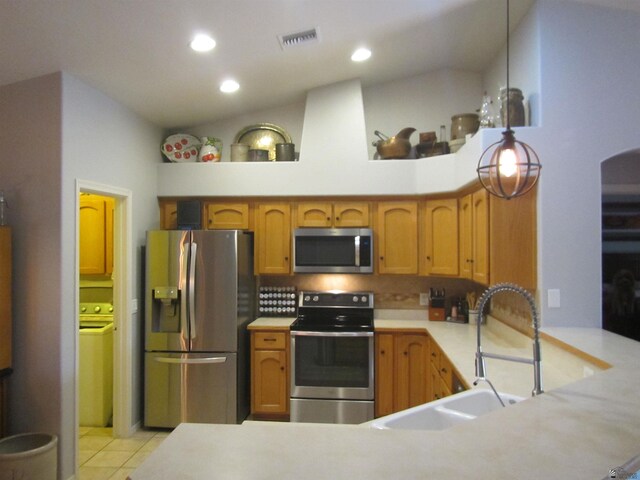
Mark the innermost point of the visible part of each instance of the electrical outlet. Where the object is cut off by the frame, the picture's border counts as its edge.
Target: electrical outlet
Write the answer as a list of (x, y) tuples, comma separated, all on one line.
[(424, 299)]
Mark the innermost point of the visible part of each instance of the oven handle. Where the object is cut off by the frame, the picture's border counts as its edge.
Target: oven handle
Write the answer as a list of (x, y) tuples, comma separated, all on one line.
[(297, 333)]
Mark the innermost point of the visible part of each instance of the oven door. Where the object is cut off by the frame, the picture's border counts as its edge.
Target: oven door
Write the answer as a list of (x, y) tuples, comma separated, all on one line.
[(337, 365)]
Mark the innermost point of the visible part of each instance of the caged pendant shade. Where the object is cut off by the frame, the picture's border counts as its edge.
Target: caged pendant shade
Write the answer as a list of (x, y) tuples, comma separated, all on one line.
[(508, 168)]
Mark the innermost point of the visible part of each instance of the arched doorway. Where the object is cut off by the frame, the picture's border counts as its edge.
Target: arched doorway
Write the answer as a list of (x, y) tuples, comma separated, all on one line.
[(620, 176)]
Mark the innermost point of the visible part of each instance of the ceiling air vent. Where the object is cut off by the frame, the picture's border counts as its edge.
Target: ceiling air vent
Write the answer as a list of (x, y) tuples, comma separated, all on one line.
[(299, 38)]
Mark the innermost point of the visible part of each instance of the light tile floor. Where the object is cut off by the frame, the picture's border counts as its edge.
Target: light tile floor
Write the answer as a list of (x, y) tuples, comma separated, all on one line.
[(103, 457)]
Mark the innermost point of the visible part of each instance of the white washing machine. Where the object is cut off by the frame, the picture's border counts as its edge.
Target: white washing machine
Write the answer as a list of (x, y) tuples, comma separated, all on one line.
[(96, 368)]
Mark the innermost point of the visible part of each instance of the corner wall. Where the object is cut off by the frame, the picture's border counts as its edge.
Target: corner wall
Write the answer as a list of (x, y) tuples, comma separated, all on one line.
[(589, 96)]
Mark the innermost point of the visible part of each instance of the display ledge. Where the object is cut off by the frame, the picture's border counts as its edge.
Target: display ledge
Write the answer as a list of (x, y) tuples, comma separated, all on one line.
[(325, 174)]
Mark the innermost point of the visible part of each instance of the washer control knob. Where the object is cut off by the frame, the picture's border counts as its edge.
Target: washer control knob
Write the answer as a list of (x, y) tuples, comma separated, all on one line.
[(110, 308), (83, 309), (97, 309)]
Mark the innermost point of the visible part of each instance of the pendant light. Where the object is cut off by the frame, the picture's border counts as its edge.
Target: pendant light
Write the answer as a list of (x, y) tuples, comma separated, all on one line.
[(508, 168)]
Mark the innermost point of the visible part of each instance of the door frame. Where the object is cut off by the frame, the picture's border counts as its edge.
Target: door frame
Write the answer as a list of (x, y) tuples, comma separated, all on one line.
[(122, 295)]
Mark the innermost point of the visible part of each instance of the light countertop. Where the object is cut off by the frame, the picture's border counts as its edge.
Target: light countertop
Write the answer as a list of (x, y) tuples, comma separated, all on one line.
[(579, 428)]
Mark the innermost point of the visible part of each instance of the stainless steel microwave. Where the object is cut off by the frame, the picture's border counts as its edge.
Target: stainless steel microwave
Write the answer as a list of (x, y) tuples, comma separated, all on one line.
[(333, 250)]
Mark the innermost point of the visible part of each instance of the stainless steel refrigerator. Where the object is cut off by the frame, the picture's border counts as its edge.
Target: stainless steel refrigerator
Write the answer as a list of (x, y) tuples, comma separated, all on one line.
[(199, 299)]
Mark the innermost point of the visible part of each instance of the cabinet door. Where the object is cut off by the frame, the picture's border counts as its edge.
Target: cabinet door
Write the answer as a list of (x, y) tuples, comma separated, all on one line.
[(269, 374), (411, 370), (384, 374), (397, 232), (465, 215), (227, 216), (273, 239), (108, 241), (480, 255), (313, 214), (351, 214), (441, 237), (168, 214), (92, 235)]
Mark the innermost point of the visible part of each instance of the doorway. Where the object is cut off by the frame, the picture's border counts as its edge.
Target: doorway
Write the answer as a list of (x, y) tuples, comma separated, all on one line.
[(114, 284), (621, 244)]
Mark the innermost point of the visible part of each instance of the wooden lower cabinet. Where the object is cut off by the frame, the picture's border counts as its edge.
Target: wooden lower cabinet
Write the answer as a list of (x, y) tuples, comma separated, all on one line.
[(269, 374), (402, 376), (440, 373)]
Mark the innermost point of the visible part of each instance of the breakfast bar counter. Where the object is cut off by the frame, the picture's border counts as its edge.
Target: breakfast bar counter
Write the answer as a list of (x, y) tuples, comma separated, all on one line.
[(579, 428)]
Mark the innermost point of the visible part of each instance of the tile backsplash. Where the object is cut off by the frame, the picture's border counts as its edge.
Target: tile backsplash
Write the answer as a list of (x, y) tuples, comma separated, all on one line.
[(392, 292)]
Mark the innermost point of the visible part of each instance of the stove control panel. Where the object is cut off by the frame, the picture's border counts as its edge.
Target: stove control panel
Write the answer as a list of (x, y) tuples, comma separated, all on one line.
[(336, 299)]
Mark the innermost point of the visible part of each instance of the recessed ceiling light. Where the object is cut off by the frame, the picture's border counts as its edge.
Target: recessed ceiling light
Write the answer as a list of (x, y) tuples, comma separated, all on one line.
[(229, 86), (361, 54), (202, 43)]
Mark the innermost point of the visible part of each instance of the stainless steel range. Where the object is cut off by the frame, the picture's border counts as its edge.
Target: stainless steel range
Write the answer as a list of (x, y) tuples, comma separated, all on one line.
[(332, 374)]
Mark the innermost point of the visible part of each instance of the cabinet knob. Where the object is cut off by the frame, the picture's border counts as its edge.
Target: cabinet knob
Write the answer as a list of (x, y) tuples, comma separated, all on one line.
[(381, 258), (405, 353), (382, 352), (428, 258), (282, 368), (337, 219), (443, 370), (328, 219)]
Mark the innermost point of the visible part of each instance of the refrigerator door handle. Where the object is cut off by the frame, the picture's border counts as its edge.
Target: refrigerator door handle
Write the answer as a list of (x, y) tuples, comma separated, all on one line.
[(190, 361), (183, 284), (192, 290)]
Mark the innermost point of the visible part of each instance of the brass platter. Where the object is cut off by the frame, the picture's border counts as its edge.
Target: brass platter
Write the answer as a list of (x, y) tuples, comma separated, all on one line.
[(263, 136)]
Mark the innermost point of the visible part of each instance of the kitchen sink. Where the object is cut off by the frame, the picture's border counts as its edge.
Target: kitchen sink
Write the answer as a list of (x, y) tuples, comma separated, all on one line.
[(446, 412)]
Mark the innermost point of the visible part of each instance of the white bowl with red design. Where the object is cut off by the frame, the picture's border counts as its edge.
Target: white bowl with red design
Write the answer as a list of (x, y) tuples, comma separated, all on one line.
[(181, 148)]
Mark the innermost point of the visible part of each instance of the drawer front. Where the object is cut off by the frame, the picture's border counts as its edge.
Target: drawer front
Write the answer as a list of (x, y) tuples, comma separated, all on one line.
[(270, 340)]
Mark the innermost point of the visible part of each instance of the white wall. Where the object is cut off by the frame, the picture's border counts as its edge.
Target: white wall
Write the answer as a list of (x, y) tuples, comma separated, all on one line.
[(106, 143), (424, 102), (524, 66), (30, 132), (55, 129), (591, 105)]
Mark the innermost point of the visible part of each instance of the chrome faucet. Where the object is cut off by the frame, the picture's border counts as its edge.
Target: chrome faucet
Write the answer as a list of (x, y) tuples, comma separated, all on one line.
[(480, 355)]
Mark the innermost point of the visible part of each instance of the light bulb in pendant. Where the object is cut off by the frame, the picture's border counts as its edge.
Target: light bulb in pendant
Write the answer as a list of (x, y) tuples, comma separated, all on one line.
[(507, 162)]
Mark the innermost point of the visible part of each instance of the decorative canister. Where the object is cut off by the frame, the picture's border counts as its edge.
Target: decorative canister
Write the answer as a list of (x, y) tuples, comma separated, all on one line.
[(258, 155), (211, 149), (463, 124), (516, 107), (239, 152), (285, 152)]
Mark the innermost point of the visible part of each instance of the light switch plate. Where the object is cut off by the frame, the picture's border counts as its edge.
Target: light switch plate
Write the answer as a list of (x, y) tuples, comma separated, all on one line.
[(553, 298)]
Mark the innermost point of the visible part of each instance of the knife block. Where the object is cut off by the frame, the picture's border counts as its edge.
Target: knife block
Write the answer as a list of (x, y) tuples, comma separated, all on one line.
[(436, 309)]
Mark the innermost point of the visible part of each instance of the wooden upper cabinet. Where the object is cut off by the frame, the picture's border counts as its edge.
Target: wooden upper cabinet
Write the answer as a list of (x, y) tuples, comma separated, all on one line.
[(351, 214), (440, 239), (273, 239), (473, 216), (168, 214), (315, 214), (332, 214), (96, 235), (481, 236), (397, 237), (227, 216)]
